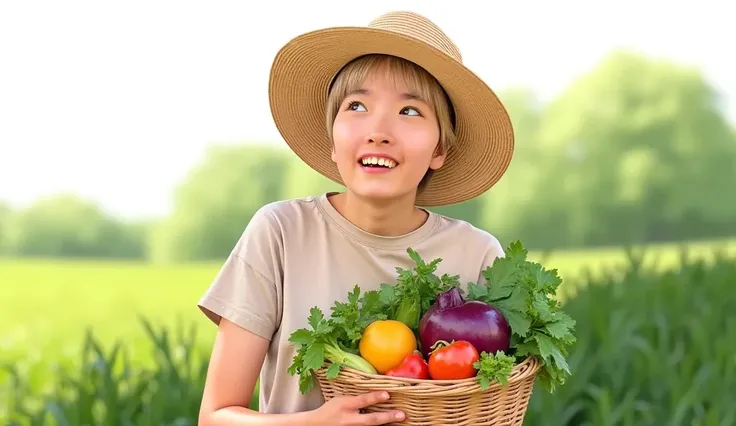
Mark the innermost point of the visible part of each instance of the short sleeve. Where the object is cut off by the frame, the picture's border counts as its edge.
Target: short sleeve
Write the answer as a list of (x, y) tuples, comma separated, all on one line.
[(493, 250), (247, 290)]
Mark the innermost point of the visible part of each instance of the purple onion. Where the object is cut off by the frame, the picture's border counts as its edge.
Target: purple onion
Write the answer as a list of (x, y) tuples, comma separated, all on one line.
[(452, 318)]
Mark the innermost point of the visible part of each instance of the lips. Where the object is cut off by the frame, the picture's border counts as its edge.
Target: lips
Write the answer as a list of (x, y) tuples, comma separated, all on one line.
[(372, 161)]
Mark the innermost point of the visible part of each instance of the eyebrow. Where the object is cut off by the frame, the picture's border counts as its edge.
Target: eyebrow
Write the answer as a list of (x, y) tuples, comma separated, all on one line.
[(407, 95), (358, 92), (412, 96)]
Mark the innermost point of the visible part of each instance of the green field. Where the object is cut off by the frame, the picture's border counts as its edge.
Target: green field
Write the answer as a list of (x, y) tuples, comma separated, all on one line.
[(48, 304)]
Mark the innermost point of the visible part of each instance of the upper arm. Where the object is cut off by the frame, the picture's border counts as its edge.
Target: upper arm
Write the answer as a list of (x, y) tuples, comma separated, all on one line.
[(237, 357), (245, 300), (245, 305)]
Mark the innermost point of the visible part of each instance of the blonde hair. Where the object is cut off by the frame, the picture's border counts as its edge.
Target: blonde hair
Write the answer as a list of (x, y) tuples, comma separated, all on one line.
[(352, 76)]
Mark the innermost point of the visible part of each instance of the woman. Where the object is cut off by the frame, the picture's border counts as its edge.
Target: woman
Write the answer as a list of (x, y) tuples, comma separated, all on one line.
[(407, 125)]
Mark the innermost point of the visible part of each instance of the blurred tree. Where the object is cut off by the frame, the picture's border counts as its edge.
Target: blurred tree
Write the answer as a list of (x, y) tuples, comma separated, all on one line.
[(498, 210), (505, 206), (216, 201), (636, 151), (5, 213), (65, 225), (302, 181)]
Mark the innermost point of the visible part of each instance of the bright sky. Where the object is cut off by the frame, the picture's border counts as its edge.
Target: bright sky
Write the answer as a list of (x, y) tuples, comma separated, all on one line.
[(116, 101)]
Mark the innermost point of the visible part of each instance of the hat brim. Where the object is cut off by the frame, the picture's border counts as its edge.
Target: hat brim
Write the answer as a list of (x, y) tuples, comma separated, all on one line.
[(298, 88)]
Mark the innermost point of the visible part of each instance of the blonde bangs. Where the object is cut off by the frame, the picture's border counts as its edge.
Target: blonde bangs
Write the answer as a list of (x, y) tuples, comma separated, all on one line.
[(399, 72)]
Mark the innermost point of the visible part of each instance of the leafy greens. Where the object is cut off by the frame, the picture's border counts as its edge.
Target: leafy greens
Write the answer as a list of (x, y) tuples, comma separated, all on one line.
[(335, 338), (522, 291), (415, 290)]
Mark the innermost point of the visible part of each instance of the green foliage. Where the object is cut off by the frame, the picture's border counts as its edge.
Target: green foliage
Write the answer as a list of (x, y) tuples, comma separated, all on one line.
[(415, 290), (216, 201), (106, 388), (635, 151), (48, 303), (525, 291), (653, 349), (52, 300), (302, 181), (5, 215), (335, 337), (67, 226), (496, 367)]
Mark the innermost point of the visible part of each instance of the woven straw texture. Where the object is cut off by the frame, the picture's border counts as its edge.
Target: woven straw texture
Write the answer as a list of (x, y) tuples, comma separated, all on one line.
[(442, 402), (304, 68)]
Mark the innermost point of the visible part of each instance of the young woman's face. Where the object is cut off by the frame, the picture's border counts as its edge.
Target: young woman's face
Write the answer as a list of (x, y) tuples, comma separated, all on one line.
[(385, 139)]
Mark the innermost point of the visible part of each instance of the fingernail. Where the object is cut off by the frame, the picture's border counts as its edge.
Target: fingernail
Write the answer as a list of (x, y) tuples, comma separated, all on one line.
[(384, 395), (400, 416)]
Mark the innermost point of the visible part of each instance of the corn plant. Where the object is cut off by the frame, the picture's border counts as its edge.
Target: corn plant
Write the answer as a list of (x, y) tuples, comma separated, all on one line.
[(653, 349), (109, 389)]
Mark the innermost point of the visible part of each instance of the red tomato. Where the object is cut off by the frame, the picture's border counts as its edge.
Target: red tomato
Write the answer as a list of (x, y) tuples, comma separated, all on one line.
[(453, 361), (412, 367)]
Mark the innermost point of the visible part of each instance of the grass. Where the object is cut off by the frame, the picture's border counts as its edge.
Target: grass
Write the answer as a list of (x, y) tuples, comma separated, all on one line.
[(50, 303), (652, 349)]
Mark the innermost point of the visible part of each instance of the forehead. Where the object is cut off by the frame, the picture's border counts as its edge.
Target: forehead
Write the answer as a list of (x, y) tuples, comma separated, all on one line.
[(387, 72), (389, 79)]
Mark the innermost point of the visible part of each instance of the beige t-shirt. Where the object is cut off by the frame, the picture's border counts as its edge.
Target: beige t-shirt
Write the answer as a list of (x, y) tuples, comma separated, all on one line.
[(301, 253)]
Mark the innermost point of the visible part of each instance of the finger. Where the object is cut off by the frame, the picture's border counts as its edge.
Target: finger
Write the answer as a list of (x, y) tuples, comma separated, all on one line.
[(380, 418), (367, 399)]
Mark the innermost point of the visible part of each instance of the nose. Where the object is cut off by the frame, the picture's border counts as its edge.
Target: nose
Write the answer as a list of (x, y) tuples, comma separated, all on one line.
[(378, 138), (379, 129)]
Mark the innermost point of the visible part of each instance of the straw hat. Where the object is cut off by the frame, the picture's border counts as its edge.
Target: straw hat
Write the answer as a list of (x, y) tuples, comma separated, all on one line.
[(304, 68)]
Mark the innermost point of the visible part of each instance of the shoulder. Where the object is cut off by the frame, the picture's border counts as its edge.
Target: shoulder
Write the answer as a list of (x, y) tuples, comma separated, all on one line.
[(265, 231), (277, 215), (471, 237), (286, 212)]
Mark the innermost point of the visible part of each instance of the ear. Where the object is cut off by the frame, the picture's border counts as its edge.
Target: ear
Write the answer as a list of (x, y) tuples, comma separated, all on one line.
[(438, 159)]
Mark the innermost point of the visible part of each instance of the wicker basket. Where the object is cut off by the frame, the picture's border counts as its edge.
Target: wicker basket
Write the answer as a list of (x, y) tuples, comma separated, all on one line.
[(442, 402)]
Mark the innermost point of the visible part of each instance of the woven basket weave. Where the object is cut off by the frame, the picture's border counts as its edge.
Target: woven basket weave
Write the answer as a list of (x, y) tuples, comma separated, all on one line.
[(442, 402)]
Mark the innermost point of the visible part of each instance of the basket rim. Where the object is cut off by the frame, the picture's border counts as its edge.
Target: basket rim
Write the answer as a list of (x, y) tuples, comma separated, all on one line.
[(521, 371)]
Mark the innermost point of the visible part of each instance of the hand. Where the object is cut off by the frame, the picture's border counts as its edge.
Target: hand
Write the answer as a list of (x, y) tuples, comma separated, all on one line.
[(345, 411)]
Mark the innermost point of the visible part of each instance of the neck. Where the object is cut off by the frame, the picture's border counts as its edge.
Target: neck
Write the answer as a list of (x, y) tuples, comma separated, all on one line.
[(388, 219)]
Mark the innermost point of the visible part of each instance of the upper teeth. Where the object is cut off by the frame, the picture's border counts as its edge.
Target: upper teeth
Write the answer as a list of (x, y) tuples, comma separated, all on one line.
[(379, 161)]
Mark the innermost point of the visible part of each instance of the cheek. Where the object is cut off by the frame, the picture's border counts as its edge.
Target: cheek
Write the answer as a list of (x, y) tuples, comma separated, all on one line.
[(423, 143), (344, 140), (343, 134)]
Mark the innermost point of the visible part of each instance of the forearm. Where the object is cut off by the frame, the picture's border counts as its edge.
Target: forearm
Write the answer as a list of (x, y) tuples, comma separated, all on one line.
[(241, 416)]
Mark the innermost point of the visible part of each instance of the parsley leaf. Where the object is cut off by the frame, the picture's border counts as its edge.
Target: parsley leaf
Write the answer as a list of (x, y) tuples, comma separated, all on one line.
[(522, 290), (494, 368), (415, 290), (332, 371), (524, 293), (334, 339), (352, 317)]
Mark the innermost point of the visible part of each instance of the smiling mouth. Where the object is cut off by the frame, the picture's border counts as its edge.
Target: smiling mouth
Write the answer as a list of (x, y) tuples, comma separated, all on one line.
[(378, 162)]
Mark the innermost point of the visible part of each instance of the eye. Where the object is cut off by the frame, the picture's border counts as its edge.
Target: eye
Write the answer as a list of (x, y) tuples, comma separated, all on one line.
[(355, 106), (411, 111)]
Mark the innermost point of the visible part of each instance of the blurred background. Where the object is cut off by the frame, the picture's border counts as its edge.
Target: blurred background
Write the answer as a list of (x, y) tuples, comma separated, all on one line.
[(136, 142)]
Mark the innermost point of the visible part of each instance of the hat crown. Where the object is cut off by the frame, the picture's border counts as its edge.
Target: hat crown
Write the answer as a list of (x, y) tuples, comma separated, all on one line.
[(417, 26)]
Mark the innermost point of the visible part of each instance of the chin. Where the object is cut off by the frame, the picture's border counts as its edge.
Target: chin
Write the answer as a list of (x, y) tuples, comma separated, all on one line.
[(379, 194)]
